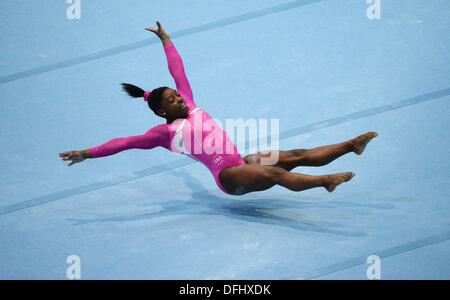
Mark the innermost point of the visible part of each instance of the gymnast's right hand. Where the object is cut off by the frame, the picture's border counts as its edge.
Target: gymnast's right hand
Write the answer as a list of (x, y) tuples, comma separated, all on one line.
[(74, 156), (160, 32)]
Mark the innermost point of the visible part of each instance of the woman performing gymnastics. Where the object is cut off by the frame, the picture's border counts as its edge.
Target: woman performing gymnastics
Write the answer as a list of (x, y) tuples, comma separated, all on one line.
[(233, 174)]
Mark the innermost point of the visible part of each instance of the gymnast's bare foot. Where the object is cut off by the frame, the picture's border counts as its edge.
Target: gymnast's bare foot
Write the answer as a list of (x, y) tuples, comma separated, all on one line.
[(334, 180), (359, 143)]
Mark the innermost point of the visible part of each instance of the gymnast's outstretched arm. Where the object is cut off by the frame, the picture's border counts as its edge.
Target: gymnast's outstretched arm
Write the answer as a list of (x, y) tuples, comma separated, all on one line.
[(157, 136), (175, 63)]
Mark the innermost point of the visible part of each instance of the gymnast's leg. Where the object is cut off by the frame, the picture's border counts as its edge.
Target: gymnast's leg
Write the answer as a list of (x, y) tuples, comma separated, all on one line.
[(319, 156), (247, 178)]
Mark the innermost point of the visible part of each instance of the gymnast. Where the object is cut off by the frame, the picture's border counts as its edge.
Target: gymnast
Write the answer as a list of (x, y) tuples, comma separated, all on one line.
[(234, 174)]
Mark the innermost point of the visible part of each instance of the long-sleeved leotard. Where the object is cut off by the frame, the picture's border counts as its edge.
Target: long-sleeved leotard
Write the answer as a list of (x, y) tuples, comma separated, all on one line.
[(197, 136)]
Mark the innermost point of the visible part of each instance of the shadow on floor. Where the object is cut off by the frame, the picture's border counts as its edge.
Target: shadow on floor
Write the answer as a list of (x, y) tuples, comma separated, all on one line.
[(249, 208)]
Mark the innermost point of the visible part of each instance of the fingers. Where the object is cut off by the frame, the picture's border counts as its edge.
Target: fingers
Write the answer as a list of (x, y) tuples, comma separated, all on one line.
[(152, 29), (71, 155), (65, 155)]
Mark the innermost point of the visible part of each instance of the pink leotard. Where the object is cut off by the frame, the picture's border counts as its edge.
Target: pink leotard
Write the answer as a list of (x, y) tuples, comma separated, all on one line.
[(197, 136)]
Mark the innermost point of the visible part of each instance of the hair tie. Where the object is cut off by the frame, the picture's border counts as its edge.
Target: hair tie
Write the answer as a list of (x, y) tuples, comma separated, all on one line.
[(147, 95)]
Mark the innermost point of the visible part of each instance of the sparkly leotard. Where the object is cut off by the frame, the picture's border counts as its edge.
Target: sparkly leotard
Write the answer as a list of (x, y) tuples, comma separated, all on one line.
[(197, 136)]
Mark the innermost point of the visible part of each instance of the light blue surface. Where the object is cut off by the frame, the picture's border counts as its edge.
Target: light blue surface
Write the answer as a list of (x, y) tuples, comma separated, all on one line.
[(321, 67)]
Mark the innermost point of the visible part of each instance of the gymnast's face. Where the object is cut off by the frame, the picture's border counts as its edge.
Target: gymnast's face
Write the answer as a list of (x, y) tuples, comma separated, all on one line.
[(173, 105)]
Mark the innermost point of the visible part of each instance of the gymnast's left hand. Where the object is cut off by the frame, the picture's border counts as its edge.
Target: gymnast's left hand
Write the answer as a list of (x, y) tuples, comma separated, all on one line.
[(160, 31), (74, 156)]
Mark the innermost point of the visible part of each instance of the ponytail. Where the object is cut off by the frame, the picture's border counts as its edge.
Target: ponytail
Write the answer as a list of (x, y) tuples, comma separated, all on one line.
[(153, 98), (133, 91)]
